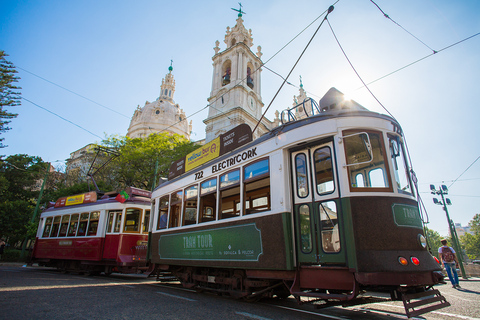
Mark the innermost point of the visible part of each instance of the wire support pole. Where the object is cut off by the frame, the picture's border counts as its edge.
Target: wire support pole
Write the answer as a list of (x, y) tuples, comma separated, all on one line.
[(330, 9)]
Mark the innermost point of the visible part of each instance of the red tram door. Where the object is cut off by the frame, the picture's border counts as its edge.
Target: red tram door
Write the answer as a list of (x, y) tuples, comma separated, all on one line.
[(318, 220)]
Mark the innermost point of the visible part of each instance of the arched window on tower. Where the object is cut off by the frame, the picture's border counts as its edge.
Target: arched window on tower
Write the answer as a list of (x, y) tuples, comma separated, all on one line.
[(226, 72), (249, 78), (169, 93), (233, 42), (166, 91)]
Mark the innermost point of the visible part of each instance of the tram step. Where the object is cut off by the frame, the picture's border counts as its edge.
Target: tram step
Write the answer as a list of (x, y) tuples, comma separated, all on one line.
[(413, 303)]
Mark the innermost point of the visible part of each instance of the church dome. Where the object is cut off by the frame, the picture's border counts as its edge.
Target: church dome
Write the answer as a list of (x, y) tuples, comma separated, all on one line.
[(162, 115)]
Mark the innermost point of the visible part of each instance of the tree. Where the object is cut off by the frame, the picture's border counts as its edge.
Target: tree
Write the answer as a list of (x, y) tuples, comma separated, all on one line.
[(471, 242), (21, 176), (9, 94), (433, 239), (138, 158)]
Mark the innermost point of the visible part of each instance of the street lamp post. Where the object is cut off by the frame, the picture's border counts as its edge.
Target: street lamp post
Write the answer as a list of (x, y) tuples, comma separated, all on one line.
[(443, 190)]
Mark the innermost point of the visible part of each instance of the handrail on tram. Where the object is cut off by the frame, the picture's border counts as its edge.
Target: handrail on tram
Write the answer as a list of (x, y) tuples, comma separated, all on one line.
[(302, 106)]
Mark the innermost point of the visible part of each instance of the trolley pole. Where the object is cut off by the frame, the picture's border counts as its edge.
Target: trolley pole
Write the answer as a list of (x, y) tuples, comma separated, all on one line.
[(443, 190)]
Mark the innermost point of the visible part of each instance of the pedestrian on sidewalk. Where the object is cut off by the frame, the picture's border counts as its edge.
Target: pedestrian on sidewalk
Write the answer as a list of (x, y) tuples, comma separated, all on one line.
[(450, 262)]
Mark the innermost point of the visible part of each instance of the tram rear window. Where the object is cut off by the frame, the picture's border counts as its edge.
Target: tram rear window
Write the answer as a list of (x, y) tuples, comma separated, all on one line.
[(366, 161)]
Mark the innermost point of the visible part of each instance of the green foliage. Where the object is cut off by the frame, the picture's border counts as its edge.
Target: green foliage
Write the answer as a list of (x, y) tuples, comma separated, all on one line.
[(11, 254), (135, 165), (9, 94), (471, 242), (21, 180), (433, 239)]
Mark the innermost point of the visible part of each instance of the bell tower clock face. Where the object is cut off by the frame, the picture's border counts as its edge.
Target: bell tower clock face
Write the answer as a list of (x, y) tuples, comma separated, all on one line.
[(251, 103)]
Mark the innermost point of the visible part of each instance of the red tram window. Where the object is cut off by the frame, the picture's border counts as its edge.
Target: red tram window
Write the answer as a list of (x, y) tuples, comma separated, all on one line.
[(118, 222), (55, 226), (132, 220), (64, 226), (82, 226), (48, 227), (93, 225), (72, 229), (146, 221)]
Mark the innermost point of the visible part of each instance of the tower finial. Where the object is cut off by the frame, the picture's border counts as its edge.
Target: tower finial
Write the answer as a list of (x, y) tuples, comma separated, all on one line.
[(170, 68), (301, 84), (239, 11)]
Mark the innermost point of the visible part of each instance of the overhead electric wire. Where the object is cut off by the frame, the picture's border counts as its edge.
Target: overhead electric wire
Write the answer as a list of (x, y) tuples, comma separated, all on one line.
[(388, 17), (77, 94), (330, 9), (410, 64), (464, 172), (61, 117), (358, 75)]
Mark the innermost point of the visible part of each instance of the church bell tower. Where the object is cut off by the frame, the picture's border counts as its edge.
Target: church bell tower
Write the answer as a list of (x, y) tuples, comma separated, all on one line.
[(236, 91)]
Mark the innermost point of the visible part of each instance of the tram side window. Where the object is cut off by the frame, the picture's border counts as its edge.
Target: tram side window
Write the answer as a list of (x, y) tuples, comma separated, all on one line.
[(72, 229), (400, 166), (82, 226), (64, 226), (257, 187), (366, 161), (146, 221), (230, 194), (208, 200), (162, 213), (118, 222), (324, 170), (132, 220), (93, 225), (329, 227), (190, 205), (110, 218), (48, 227), (305, 228), (55, 226), (175, 209)]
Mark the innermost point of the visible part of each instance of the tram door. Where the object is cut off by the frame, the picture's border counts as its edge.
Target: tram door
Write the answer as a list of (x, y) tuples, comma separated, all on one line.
[(316, 206)]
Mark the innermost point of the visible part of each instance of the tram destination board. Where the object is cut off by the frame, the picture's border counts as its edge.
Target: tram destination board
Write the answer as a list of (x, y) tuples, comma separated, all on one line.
[(225, 143)]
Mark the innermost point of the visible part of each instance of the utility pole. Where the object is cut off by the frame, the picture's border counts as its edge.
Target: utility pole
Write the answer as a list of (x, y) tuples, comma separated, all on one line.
[(443, 190)]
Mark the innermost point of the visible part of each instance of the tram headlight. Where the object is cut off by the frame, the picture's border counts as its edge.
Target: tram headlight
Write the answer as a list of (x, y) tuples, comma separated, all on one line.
[(402, 261), (415, 260), (422, 240)]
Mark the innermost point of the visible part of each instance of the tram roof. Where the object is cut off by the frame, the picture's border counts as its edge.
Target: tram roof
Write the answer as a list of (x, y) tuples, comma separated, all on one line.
[(323, 116)]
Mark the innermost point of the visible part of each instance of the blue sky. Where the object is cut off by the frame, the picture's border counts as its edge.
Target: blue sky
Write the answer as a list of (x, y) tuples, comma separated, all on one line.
[(115, 53)]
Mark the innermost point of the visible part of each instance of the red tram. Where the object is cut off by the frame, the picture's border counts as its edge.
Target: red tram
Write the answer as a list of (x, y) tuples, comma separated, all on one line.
[(84, 234)]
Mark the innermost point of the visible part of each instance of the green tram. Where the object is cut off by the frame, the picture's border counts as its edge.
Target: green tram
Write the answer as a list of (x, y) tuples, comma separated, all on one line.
[(322, 208)]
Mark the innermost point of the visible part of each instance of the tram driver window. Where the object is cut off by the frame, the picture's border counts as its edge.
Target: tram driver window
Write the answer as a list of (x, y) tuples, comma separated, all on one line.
[(230, 194), (190, 205), (162, 213), (257, 187), (132, 220), (400, 166), (208, 200), (366, 161)]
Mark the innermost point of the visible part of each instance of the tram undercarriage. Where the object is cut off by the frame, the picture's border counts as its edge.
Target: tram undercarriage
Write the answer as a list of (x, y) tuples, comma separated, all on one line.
[(303, 284)]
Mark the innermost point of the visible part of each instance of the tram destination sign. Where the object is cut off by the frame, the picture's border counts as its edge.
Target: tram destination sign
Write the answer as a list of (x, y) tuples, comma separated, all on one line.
[(226, 142), (406, 215), (235, 243)]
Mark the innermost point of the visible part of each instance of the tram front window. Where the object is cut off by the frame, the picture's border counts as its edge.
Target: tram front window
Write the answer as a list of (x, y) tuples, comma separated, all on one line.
[(400, 167), (132, 220), (366, 161), (324, 170)]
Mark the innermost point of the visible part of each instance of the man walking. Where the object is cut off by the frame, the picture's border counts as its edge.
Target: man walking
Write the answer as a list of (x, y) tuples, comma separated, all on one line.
[(449, 261)]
